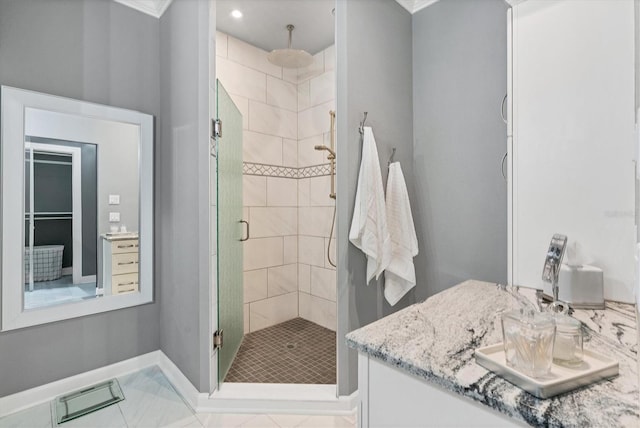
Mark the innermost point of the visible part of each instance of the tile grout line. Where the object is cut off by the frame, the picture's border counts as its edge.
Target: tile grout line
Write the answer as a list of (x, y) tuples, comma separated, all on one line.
[(124, 418), (52, 418), (250, 67)]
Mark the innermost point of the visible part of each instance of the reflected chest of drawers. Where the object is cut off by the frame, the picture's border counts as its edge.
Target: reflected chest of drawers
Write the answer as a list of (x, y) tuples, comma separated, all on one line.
[(120, 265)]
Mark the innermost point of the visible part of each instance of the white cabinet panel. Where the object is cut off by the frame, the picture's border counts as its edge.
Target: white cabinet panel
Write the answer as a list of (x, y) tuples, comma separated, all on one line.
[(573, 136), (395, 399), (509, 101)]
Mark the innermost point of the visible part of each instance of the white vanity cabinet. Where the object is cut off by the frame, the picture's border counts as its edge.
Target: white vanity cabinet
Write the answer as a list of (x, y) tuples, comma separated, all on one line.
[(391, 397), (120, 255), (416, 367)]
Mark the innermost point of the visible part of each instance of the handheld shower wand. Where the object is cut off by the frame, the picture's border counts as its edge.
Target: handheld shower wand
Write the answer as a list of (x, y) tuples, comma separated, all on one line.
[(332, 158), (332, 154)]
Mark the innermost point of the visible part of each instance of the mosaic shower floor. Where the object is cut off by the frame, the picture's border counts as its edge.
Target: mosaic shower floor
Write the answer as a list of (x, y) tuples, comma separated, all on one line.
[(295, 351)]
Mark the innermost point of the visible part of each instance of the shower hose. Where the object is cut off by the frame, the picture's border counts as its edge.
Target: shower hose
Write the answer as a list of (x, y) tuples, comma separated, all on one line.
[(333, 222)]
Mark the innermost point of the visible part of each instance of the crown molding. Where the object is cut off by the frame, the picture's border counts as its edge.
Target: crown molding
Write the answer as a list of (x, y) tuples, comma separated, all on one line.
[(415, 5), (421, 4), (154, 8), (514, 2), (407, 4)]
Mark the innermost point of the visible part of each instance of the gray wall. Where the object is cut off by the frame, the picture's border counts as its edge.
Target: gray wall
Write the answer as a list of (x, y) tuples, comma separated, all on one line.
[(460, 65), (102, 52), (374, 72), (182, 190), (432, 85)]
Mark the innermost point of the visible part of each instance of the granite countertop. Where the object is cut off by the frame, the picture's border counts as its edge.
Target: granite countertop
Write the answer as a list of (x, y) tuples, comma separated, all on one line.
[(434, 340)]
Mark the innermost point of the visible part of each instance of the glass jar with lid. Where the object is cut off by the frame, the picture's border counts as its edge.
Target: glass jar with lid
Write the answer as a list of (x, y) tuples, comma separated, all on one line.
[(528, 341), (568, 346)]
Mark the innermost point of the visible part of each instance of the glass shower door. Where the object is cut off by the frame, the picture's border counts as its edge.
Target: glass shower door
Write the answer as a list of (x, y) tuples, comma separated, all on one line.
[(230, 229)]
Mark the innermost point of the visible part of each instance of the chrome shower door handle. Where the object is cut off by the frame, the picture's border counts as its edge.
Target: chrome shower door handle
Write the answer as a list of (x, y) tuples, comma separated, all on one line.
[(248, 235), (503, 114), (504, 158)]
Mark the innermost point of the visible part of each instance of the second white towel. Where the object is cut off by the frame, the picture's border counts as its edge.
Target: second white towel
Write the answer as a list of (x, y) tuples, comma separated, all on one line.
[(400, 275)]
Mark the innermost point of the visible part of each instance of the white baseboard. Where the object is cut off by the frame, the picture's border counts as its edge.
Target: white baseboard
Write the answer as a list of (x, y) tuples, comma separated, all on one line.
[(232, 398), (279, 398), (261, 398), (180, 382), (42, 394), (89, 278)]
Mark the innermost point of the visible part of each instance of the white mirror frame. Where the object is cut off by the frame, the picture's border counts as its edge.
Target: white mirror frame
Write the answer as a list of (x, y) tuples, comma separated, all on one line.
[(14, 103)]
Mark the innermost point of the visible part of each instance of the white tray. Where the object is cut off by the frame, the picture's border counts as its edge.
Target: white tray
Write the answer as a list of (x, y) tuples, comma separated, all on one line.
[(594, 368)]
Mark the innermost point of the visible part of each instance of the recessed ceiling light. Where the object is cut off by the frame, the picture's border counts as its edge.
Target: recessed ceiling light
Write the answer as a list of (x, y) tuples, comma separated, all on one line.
[(236, 14)]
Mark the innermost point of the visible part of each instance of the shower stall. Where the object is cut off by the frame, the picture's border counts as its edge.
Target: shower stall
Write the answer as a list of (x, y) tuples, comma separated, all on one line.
[(275, 160)]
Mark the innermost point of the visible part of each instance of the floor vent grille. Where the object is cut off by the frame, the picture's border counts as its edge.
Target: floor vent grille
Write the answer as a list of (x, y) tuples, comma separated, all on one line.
[(87, 400)]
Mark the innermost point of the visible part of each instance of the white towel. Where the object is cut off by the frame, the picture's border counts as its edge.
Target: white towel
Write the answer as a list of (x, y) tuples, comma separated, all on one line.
[(369, 224), (400, 275)]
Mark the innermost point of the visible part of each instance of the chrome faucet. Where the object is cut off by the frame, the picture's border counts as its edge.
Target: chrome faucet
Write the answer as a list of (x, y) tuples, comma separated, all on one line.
[(553, 262)]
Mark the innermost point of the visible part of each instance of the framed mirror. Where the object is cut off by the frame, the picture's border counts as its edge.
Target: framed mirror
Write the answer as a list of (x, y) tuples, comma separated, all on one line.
[(77, 208)]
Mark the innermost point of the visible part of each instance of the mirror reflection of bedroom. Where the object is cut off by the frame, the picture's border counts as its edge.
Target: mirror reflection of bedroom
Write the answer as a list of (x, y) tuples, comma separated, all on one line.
[(60, 260)]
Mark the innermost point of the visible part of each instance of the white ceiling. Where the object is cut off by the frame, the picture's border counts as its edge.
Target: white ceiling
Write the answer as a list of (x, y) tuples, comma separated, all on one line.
[(264, 22)]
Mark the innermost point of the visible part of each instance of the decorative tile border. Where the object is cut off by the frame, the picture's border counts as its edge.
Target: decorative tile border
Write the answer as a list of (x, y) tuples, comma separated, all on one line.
[(250, 168), (315, 171)]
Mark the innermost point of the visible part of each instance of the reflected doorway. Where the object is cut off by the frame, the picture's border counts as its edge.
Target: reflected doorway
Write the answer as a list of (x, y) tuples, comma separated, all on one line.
[(60, 260)]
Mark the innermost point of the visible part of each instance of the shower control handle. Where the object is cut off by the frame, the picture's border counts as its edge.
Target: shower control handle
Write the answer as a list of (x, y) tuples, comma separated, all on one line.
[(248, 235)]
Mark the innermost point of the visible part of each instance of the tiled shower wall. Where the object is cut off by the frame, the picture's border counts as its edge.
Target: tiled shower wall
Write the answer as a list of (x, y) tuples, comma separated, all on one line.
[(316, 277), (284, 115)]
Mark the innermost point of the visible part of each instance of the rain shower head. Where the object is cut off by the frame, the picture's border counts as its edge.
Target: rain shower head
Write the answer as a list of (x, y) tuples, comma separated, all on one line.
[(290, 58)]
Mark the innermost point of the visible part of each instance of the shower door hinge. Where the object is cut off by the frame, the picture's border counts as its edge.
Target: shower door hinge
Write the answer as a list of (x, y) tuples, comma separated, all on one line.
[(217, 339), (216, 124)]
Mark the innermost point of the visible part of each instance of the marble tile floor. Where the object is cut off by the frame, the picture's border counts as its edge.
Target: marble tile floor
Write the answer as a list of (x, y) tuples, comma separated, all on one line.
[(151, 401), (47, 293)]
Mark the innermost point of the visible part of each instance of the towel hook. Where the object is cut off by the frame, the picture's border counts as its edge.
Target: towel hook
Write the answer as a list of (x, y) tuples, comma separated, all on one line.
[(363, 122), (393, 153)]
